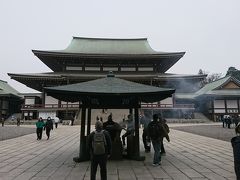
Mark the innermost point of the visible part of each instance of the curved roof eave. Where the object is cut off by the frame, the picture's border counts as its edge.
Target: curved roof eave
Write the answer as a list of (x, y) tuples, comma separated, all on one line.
[(106, 46), (109, 87), (68, 54)]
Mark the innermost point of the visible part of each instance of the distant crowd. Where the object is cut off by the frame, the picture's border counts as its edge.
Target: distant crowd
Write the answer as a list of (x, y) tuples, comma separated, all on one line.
[(229, 121)]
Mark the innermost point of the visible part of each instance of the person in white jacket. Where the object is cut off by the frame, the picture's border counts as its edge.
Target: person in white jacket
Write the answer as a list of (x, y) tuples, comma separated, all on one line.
[(56, 121)]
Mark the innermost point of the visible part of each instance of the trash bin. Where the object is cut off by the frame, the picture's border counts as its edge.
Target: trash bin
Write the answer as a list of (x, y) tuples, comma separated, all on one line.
[(236, 154)]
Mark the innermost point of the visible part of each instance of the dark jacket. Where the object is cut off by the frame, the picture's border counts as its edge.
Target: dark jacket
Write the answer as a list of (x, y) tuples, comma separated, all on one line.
[(108, 145), (113, 128), (162, 132), (49, 124)]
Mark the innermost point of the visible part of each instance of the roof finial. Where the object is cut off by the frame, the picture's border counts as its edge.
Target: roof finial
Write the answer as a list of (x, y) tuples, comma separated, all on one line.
[(110, 74)]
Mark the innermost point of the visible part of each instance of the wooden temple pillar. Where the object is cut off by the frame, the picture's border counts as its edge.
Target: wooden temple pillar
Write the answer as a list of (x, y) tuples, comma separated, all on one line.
[(43, 95)]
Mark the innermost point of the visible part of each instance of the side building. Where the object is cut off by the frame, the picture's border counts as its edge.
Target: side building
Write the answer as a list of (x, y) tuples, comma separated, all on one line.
[(10, 100), (219, 98)]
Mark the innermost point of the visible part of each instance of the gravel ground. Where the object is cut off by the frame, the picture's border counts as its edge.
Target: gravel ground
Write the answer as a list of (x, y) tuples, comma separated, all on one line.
[(213, 131), (8, 132)]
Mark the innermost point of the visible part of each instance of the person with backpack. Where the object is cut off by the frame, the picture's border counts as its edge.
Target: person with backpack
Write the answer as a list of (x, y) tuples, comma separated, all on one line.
[(156, 133), (100, 147)]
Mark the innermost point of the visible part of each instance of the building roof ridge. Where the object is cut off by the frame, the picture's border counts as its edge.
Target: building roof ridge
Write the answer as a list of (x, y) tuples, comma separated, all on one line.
[(99, 38)]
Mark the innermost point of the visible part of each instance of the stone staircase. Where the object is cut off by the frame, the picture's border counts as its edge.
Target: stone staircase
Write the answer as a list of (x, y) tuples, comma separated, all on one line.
[(198, 118), (118, 115), (15, 115)]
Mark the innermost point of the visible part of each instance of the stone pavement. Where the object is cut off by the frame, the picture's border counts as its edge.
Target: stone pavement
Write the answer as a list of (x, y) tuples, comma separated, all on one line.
[(13, 131), (188, 156)]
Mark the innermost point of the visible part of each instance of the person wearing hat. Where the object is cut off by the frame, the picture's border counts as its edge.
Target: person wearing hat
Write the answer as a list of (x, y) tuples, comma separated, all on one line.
[(100, 147)]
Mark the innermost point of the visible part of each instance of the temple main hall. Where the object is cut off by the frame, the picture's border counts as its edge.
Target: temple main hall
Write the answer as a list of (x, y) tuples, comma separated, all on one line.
[(87, 59)]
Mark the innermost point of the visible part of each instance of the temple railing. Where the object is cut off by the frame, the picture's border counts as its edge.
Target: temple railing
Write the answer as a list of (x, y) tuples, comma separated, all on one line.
[(167, 106), (49, 106), (76, 106)]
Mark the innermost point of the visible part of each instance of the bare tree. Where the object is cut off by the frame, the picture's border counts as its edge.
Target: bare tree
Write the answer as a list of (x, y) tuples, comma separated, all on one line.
[(213, 77), (210, 77)]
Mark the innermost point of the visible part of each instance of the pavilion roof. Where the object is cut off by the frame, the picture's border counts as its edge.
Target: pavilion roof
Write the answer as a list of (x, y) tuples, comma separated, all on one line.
[(109, 87)]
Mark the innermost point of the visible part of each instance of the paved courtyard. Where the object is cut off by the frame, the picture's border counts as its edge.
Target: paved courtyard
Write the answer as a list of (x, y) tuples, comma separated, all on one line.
[(188, 156)]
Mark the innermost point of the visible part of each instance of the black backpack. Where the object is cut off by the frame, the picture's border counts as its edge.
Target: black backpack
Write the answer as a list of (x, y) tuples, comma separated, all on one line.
[(154, 130)]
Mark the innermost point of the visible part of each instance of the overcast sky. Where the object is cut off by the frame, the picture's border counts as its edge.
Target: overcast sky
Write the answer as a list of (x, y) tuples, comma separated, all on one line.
[(208, 30)]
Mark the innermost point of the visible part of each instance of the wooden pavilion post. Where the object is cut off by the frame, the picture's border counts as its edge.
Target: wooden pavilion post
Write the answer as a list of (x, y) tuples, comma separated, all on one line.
[(131, 111), (136, 138), (89, 121), (83, 140), (136, 117)]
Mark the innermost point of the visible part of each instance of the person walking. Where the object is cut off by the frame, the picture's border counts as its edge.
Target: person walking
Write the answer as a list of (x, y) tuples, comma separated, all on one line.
[(156, 134), (39, 124), (56, 121), (100, 147), (72, 120), (3, 121), (48, 126), (18, 121), (229, 122)]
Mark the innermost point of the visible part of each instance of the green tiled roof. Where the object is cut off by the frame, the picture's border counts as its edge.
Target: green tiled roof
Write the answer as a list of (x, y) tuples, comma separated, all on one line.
[(214, 88), (6, 89), (81, 45), (110, 86)]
